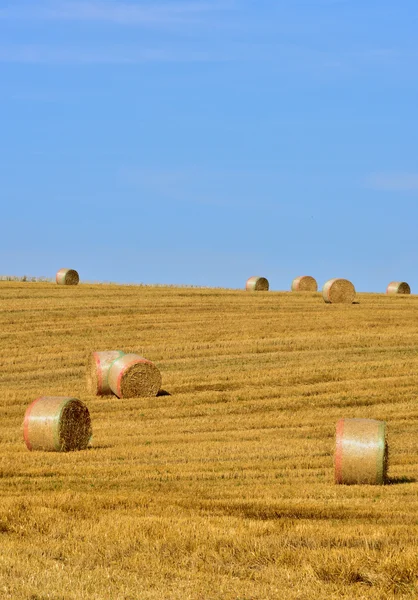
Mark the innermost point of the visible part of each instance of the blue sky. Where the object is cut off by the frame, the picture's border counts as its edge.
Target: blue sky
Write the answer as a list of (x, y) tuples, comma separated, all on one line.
[(203, 142)]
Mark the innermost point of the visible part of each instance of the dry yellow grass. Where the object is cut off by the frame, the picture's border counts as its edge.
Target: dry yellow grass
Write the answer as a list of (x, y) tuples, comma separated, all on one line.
[(225, 488)]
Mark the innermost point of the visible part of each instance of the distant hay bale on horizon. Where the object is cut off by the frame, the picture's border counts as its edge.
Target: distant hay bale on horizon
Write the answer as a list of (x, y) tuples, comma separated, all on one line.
[(133, 376), (361, 452), (304, 283), (67, 277), (257, 284), (398, 287), (98, 371), (57, 424), (338, 291)]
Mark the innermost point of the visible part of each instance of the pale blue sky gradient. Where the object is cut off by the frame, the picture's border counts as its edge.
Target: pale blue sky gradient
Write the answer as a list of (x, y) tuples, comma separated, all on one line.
[(204, 142)]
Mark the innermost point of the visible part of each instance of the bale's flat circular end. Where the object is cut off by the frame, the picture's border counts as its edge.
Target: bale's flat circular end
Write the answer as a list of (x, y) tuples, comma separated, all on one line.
[(133, 376), (67, 277), (361, 452), (304, 283), (98, 371), (257, 284), (338, 291), (398, 287), (75, 430), (56, 423)]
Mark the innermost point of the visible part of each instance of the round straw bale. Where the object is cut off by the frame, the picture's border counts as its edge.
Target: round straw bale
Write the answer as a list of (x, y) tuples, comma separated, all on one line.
[(257, 284), (98, 371), (57, 423), (132, 376), (398, 287), (304, 283), (338, 291), (67, 277), (361, 452)]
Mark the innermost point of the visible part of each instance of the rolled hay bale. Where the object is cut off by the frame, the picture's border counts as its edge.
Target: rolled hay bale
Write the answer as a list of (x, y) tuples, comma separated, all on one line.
[(257, 284), (361, 452), (398, 287), (338, 291), (57, 424), (98, 371), (133, 376), (304, 283), (67, 277)]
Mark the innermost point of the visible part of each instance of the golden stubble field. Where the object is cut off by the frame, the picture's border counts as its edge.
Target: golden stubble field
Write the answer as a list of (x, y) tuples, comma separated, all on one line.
[(224, 488)]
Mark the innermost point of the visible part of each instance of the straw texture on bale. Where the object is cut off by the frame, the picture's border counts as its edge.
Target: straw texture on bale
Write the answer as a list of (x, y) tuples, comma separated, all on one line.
[(257, 284), (57, 424), (337, 291), (398, 287), (304, 283), (98, 371), (361, 452), (133, 376), (67, 277)]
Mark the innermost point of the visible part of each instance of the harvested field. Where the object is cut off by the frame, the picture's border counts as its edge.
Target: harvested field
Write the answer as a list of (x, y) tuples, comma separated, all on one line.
[(224, 488)]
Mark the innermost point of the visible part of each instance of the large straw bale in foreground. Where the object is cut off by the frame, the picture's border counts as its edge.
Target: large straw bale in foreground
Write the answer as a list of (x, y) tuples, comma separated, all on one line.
[(257, 284), (361, 453), (98, 371), (398, 287), (57, 423), (67, 277), (133, 376), (304, 283), (338, 291)]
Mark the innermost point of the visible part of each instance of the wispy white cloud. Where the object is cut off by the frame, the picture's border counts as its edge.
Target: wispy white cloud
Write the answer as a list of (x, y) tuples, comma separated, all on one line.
[(393, 182), (122, 12), (108, 55)]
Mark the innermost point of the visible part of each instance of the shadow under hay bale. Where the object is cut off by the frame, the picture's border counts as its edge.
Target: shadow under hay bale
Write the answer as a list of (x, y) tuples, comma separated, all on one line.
[(57, 424), (399, 480), (398, 287), (304, 283), (133, 376), (361, 452), (338, 291), (163, 393), (257, 284), (67, 277), (98, 371)]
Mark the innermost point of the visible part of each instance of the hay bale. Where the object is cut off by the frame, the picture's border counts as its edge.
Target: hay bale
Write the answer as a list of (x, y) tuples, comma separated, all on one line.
[(338, 291), (304, 283), (398, 287), (257, 284), (361, 452), (98, 371), (56, 423), (133, 376), (67, 277)]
